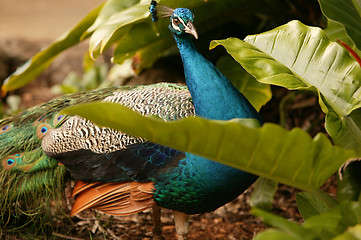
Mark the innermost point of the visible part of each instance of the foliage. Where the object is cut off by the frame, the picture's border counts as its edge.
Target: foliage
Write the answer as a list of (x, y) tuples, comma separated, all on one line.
[(293, 55), (301, 57), (91, 79), (95, 76), (270, 149), (41, 60)]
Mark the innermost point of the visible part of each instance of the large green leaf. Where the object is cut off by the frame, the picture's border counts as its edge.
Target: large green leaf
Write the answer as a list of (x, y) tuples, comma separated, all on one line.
[(349, 186), (141, 36), (110, 8), (347, 12), (340, 222), (41, 60), (293, 158), (273, 234), (290, 229), (296, 56), (117, 22), (336, 31), (335, 221), (352, 233), (312, 204), (263, 193), (257, 93)]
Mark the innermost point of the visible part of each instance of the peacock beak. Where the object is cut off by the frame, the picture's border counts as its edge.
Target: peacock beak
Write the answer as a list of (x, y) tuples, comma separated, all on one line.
[(191, 30)]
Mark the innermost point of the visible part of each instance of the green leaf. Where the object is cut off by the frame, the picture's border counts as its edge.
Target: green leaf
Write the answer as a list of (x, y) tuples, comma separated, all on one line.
[(257, 93), (263, 193), (335, 221), (140, 37), (299, 57), (119, 21), (311, 204), (349, 187), (339, 222), (346, 12), (352, 233), (294, 230), (146, 56), (37, 64), (273, 234), (336, 31), (293, 158), (110, 8)]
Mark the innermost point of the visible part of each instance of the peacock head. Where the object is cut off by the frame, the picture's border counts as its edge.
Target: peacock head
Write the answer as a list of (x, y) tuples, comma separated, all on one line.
[(181, 19), (181, 22)]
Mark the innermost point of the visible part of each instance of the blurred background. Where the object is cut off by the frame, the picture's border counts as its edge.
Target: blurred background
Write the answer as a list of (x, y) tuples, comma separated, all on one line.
[(41, 19), (26, 26)]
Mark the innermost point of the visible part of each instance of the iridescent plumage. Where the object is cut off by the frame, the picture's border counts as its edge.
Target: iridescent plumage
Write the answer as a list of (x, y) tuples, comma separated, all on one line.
[(35, 181), (125, 174)]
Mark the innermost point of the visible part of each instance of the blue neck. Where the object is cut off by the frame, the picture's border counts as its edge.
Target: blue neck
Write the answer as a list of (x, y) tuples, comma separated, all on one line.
[(214, 96), (200, 185)]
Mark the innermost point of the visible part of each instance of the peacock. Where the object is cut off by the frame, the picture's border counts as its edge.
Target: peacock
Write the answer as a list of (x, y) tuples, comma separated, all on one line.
[(117, 173)]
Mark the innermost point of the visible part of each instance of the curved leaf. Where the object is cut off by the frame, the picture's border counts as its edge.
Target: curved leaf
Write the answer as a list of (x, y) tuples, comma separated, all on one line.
[(311, 204), (347, 12), (299, 57), (341, 222), (139, 37), (349, 187), (263, 193), (41, 60), (335, 221), (257, 93), (110, 8), (352, 233), (293, 158), (122, 19), (273, 234), (291, 230), (336, 31)]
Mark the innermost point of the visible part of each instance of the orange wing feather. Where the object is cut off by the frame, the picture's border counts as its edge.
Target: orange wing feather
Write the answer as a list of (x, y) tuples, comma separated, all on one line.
[(118, 198)]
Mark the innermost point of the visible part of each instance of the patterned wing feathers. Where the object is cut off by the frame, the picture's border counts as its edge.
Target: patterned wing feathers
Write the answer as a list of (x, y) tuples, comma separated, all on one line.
[(113, 198)]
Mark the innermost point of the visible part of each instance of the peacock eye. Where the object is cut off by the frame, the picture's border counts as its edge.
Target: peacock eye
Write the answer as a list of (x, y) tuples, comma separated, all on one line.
[(10, 161), (44, 129), (5, 128), (60, 117), (176, 21)]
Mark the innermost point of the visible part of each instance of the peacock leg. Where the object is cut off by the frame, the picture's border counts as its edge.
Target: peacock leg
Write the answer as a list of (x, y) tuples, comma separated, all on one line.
[(157, 224), (181, 221)]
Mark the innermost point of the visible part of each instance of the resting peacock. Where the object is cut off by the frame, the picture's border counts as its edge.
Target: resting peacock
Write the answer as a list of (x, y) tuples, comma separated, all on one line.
[(121, 174)]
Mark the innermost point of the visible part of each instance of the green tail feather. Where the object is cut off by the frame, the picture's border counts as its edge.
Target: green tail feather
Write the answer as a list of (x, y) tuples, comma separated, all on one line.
[(32, 184)]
